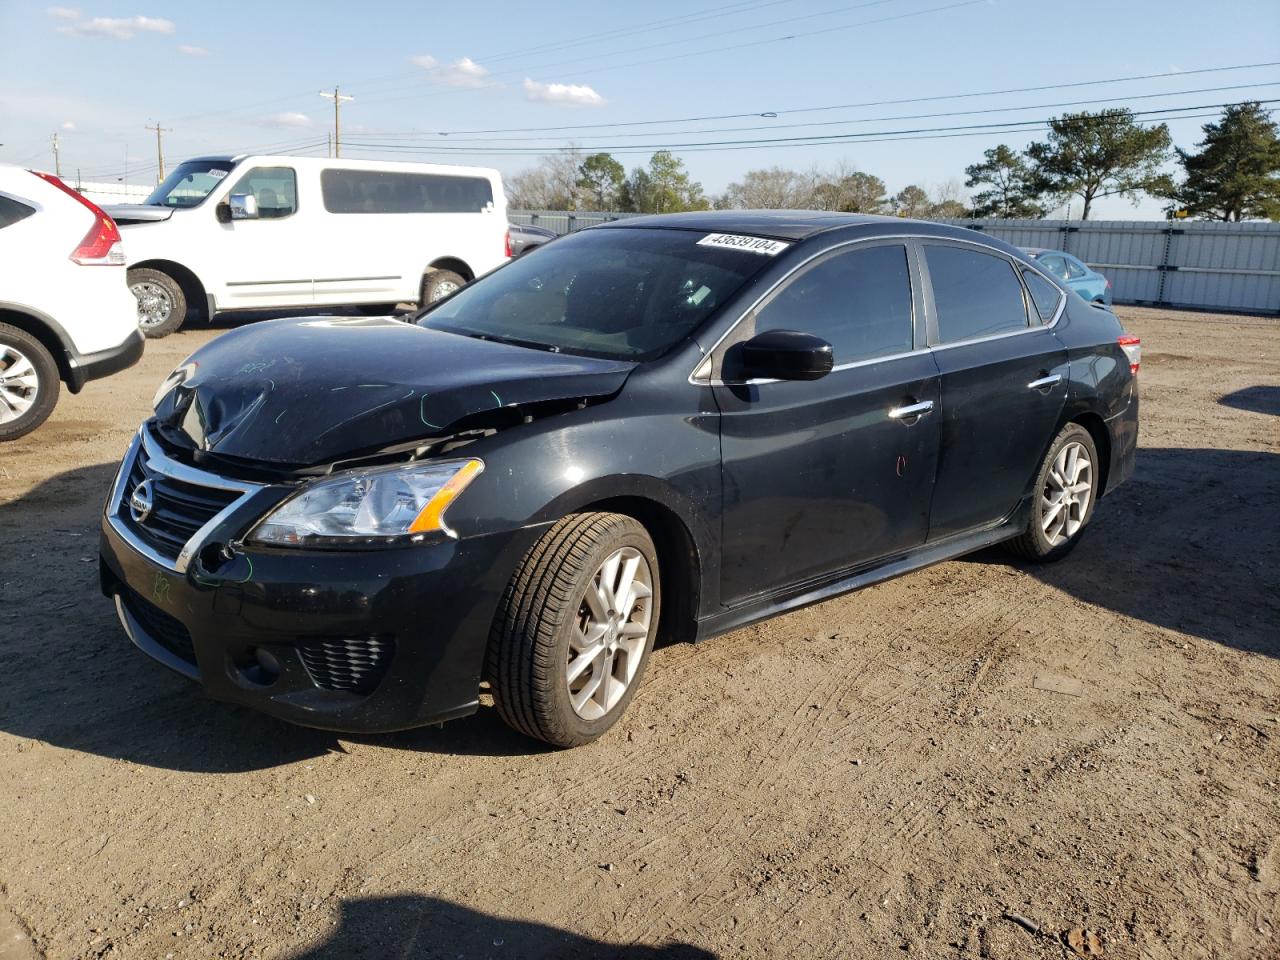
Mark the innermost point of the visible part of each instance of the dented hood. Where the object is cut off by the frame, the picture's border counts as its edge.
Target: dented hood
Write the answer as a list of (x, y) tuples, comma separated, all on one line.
[(301, 392)]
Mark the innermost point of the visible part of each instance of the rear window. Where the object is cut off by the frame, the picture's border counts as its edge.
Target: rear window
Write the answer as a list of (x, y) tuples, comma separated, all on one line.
[(382, 191), (975, 294), (620, 293), (11, 211), (1044, 295)]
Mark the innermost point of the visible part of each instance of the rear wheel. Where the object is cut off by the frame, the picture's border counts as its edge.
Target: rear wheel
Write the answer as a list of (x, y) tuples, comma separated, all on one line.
[(29, 383), (1065, 492), (573, 633), (162, 305), (438, 284)]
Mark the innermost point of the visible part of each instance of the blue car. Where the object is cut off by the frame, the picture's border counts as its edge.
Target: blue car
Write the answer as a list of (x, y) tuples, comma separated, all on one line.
[(1074, 274)]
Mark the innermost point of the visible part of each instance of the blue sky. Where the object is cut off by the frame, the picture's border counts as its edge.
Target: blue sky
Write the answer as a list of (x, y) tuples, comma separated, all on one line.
[(233, 76)]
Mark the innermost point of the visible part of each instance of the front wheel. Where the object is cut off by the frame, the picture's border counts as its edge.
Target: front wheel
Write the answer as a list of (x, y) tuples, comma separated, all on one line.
[(574, 630), (29, 383), (1065, 492), (162, 306)]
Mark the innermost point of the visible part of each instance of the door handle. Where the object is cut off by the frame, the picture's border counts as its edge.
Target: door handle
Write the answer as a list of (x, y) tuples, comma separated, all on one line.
[(912, 411), (1044, 383)]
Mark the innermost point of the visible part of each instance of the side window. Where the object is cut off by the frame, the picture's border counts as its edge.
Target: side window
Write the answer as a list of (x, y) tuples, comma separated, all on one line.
[(390, 191), (1044, 295), (1055, 265), (275, 189), (975, 294), (859, 302), (11, 211), (1075, 269)]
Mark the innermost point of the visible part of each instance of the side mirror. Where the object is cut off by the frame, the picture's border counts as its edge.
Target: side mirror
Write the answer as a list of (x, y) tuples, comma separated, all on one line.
[(782, 355), (244, 206)]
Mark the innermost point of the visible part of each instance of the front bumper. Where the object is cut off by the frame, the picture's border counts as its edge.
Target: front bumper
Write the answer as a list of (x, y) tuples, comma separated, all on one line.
[(353, 641), (93, 366)]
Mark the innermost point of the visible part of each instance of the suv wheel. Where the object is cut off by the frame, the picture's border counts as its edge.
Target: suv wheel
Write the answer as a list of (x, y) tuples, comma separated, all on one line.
[(573, 632), (162, 306), (29, 383), (1065, 492), (438, 284)]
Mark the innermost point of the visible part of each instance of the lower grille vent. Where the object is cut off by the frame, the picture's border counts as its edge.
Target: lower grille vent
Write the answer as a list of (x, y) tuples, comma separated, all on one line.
[(353, 664)]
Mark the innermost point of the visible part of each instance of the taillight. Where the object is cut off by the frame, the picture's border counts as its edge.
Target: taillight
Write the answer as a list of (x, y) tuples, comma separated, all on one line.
[(1132, 347), (100, 247), (506, 245)]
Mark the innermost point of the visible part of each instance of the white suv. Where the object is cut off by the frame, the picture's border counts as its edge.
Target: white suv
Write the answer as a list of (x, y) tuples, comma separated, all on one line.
[(66, 313)]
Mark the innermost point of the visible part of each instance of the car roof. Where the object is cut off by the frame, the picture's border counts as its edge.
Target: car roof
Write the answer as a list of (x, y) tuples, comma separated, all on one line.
[(792, 225), (1036, 251)]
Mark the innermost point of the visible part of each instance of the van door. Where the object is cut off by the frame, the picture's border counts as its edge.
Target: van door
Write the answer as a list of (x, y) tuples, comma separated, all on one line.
[(266, 260)]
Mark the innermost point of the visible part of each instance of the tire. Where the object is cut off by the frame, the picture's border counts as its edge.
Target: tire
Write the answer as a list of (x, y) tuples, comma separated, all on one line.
[(1050, 535), (438, 284), (29, 383), (162, 305), (549, 603)]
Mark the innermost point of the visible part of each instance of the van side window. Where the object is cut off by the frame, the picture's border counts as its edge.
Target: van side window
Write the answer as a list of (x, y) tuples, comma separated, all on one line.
[(975, 294), (389, 191), (275, 189), (858, 301)]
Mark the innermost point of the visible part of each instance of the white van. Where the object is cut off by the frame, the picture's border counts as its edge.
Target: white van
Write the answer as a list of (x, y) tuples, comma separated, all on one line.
[(261, 232)]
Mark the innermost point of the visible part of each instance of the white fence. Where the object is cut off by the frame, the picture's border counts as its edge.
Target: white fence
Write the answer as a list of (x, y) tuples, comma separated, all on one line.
[(114, 192), (1196, 264)]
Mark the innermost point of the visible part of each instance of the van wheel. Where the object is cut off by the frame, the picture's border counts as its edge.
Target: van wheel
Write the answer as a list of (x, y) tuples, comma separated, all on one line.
[(1064, 495), (29, 383), (162, 306), (573, 633), (438, 284)]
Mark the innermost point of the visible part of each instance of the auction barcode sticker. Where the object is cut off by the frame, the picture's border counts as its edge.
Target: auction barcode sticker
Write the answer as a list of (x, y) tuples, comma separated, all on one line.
[(770, 248)]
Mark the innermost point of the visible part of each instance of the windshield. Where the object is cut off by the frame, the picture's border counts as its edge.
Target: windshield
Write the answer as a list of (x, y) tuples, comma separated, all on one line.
[(188, 185), (617, 293)]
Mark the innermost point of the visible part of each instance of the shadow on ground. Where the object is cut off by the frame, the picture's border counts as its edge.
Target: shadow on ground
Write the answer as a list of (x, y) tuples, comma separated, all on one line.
[(1259, 399), (1188, 544), (428, 928)]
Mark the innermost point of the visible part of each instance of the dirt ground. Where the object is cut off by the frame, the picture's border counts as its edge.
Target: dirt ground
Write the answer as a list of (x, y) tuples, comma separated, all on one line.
[(880, 775)]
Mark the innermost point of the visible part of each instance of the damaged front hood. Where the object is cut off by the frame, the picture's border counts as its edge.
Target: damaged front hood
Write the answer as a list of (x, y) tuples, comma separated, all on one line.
[(301, 392)]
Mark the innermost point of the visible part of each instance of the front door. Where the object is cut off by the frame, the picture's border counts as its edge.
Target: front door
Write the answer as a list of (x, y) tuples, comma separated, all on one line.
[(267, 261), (1004, 384), (824, 475)]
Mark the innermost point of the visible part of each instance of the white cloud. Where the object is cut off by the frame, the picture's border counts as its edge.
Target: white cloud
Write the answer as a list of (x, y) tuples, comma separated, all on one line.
[(117, 28), (191, 51), (286, 120), (574, 93), (68, 125), (463, 72), (63, 13)]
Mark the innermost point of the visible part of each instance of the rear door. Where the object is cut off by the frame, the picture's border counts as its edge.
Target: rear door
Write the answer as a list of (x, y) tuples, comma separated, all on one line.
[(1004, 384), (821, 476)]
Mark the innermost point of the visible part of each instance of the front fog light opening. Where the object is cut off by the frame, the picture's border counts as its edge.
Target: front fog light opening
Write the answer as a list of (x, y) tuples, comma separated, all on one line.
[(257, 667)]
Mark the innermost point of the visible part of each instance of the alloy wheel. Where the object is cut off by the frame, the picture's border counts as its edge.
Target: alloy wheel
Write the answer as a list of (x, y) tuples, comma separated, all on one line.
[(443, 289), (611, 634), (155, 305), (19, 383), (1068, 489)]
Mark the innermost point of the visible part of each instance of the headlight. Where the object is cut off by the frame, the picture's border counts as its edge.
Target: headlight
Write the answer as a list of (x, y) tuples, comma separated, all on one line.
[(378, 505)]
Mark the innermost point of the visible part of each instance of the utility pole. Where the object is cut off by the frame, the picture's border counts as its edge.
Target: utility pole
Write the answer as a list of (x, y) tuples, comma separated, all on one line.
[(338, 99), (159, 146), (328, 144), (57, 161)]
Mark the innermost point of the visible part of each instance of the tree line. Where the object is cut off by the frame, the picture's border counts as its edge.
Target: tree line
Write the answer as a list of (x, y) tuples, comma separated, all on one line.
[(1234, 174)]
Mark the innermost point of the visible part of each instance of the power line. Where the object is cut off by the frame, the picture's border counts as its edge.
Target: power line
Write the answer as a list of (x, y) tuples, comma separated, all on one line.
[(880, 119), (871, 103), (812, 140)]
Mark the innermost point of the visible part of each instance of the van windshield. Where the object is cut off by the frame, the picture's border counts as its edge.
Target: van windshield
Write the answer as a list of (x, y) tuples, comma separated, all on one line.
[(190, 183), (618, 293)]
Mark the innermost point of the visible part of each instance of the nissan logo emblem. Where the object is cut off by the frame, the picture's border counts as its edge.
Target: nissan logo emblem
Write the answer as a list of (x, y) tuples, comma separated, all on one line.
[(141, 502)]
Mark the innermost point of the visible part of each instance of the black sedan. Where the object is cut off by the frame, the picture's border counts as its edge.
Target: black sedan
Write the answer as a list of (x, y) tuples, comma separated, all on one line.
[(667, 427), (526, 237)]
